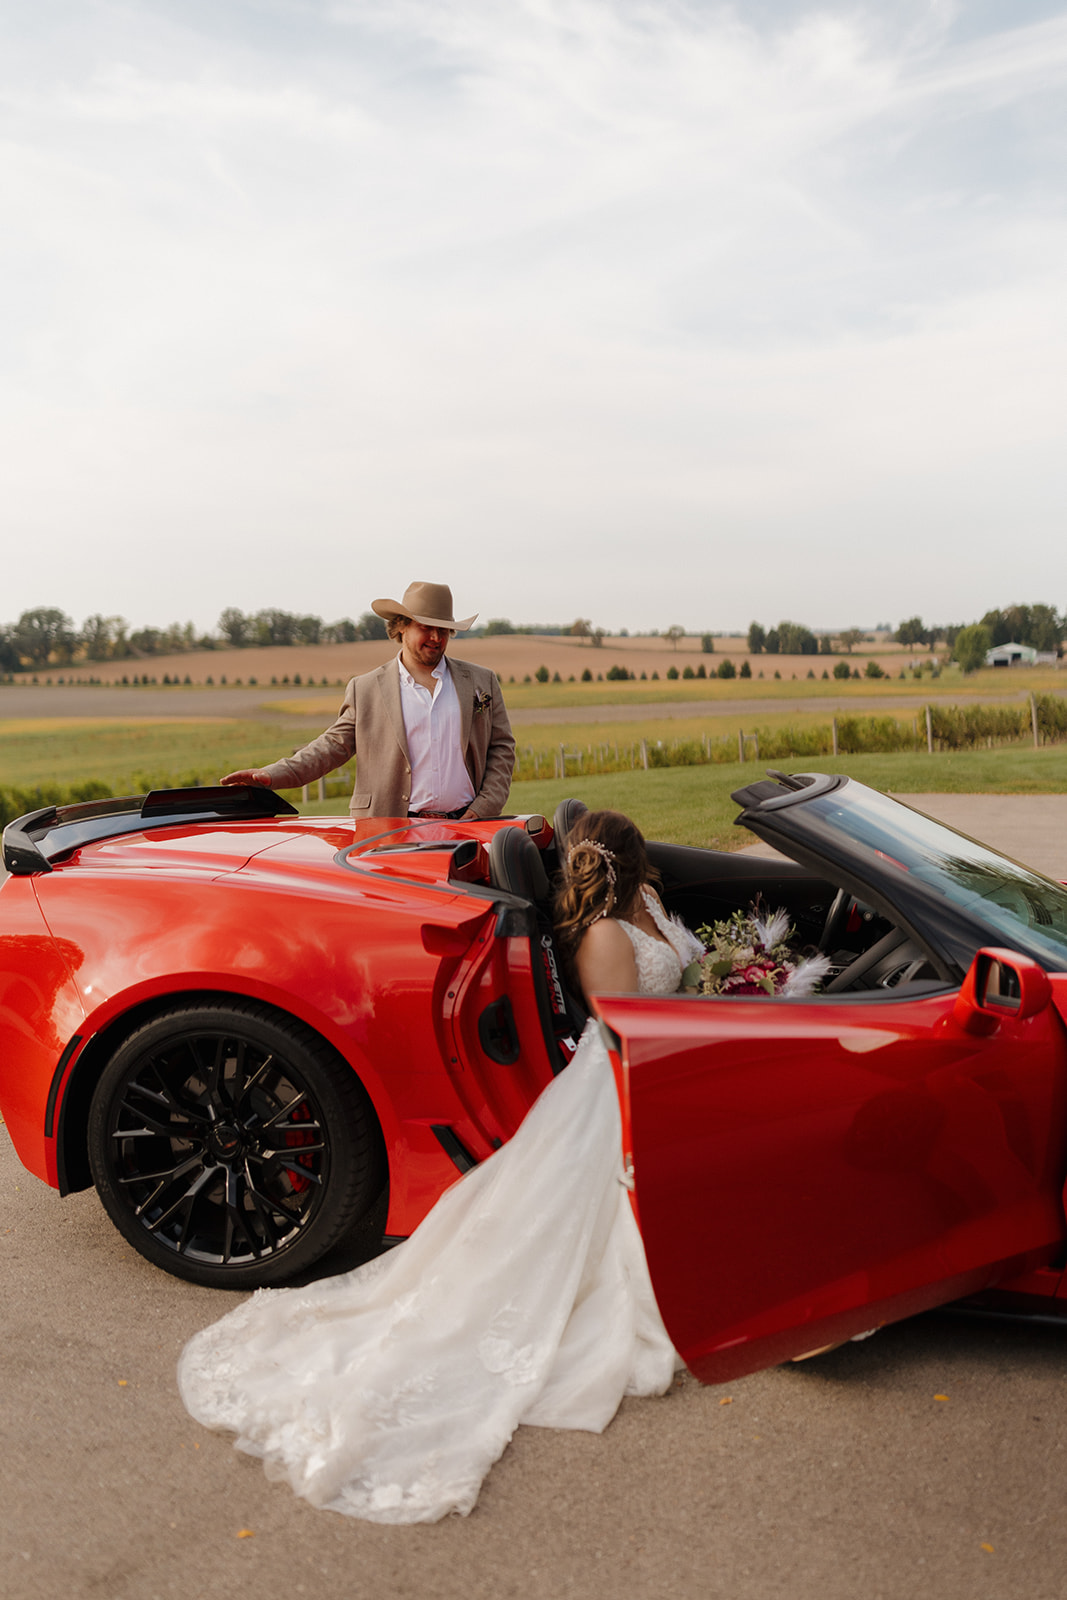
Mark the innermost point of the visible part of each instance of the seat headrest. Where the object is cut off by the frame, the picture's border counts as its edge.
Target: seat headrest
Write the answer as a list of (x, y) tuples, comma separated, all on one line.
[(515, 865), (565, 816)]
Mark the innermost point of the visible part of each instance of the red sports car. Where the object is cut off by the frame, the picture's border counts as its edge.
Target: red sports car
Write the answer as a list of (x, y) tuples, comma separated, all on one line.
[(242, 1025)]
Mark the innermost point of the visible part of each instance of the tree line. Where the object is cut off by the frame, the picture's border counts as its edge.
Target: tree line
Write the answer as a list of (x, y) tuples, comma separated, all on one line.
[(1039, 626), (46, 636)]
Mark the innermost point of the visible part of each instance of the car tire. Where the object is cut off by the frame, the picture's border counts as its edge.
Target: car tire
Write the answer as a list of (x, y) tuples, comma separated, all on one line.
[(231, 1145)]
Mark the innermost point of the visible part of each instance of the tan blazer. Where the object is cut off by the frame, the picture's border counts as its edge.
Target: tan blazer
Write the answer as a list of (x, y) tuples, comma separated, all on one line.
[(370, 726)]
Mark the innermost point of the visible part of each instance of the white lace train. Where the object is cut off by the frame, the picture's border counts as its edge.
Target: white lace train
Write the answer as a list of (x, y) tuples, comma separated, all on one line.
[(524, 1296)]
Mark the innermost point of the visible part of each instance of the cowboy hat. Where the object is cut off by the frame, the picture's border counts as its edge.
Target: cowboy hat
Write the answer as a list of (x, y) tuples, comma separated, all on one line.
[(428, 603)]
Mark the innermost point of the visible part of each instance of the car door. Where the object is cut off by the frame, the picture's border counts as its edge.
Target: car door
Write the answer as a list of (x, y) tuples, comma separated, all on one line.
[(804, 1171)]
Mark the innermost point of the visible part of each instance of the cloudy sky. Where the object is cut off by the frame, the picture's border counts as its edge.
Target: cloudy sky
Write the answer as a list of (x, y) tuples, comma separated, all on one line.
[(650, 311)]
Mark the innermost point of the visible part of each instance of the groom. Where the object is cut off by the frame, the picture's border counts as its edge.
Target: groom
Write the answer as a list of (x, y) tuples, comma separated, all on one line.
[(431, 737)]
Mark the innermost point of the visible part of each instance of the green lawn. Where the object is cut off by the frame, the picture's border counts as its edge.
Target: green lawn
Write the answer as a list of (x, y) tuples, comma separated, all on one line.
[(692, 805), (689, 804), (121, 754)]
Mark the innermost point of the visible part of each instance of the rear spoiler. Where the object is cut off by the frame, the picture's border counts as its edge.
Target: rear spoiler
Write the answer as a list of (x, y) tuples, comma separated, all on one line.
[(33, 842)]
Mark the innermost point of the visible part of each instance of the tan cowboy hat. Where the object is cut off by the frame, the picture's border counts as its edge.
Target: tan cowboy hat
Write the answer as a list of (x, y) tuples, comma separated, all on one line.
[(428, 603)]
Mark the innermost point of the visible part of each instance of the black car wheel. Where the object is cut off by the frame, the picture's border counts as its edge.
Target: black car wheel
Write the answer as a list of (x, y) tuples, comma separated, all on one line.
[(231, 1146)]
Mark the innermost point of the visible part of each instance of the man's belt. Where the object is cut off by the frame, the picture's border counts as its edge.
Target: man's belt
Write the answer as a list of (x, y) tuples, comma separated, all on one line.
[(438, 816)]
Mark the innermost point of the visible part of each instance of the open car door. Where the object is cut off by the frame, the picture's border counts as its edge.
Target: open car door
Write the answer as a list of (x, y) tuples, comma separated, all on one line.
[(806, 1170)]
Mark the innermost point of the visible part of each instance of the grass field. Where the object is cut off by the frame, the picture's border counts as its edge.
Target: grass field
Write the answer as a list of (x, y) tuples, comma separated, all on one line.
[(717, 693), (72, 750), (690, 804)]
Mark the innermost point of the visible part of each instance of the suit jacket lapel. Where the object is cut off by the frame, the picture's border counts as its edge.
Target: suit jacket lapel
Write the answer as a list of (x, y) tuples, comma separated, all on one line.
[(389, 682), (465, 693)]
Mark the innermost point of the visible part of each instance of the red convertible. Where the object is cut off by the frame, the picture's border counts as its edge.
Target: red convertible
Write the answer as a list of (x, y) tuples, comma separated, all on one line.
[(242, 1025)]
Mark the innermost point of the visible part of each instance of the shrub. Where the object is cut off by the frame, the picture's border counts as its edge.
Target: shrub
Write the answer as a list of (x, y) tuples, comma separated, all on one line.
[(963, 727), (672, 672), (873, 670), (746, 671), (676, 753), (842, 669), (542, 674), (726, 669), (857, 735), (971, 646), (687, 672), (587, 676)]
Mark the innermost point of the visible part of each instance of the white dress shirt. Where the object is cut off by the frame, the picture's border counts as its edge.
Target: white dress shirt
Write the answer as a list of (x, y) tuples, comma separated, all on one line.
[(439, 777)]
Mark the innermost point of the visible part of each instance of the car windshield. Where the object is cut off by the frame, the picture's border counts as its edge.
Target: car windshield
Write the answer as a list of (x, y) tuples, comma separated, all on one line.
[(1025, 910)]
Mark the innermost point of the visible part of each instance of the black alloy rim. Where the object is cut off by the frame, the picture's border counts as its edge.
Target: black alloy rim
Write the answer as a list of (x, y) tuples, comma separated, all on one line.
[(219, 1149)]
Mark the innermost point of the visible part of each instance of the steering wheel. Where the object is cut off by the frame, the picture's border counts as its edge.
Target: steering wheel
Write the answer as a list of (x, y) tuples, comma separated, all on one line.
[(836, 921), (892, 954)]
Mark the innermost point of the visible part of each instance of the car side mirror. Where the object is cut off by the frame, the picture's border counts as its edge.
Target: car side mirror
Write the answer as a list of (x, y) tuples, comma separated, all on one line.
[(1000, 984)]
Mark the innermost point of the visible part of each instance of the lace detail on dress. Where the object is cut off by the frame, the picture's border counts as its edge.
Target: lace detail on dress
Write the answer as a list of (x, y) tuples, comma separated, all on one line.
[(388, 1393), (660, 966)]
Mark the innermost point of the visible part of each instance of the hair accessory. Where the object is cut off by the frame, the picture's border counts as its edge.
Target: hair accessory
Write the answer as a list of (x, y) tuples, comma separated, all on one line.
[(608, 857)]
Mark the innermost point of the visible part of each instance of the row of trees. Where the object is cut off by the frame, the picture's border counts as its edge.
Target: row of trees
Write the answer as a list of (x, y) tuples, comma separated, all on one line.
[(1039, 626), (241, 631), (794, 639), (47, 636)]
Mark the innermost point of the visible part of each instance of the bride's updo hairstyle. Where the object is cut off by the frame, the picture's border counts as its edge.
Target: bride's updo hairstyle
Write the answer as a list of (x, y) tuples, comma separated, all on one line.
[(602, 869)]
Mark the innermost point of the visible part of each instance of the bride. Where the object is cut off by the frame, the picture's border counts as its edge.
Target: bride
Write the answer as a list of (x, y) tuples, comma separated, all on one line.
[(388, 1393)]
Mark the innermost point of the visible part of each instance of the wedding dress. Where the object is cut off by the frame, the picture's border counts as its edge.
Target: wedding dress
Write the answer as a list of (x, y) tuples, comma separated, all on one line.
[(524, 1296)]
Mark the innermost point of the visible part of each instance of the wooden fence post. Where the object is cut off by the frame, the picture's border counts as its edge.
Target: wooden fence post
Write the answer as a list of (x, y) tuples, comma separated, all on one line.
[(833, 725), (644, 754), (1033, 721), (740, 746), (929, 732)]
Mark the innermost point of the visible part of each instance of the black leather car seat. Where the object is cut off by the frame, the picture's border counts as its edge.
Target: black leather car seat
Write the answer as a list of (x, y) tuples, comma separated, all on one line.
[(565, 816), (517, 867)]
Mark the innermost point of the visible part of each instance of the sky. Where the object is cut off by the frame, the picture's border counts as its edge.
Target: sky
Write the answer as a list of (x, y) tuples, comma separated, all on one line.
[(648, 311)]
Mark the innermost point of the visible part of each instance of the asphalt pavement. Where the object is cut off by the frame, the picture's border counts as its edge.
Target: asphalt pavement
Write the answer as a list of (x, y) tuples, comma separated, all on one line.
[(928, 1461)]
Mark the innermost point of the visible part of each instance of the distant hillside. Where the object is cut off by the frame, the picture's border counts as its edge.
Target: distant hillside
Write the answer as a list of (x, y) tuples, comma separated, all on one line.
[(511, 656)]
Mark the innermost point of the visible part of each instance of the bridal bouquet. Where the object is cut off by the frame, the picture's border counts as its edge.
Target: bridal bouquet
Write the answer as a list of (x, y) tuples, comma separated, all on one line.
[(750, 953)]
